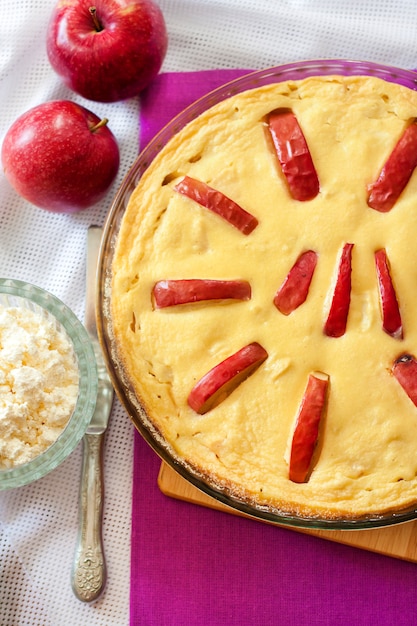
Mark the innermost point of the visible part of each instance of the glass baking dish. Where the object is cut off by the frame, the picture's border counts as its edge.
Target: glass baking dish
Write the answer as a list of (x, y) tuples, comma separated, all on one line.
[(293, 71)]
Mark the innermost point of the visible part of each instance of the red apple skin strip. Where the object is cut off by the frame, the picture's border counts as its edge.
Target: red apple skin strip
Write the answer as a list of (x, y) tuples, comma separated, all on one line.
[(225, 377), (335, 325), (168, 293), (217, 202), (294, 155), (396, 172), (391, 317), (405, 371), (294, 290), (306, 431)]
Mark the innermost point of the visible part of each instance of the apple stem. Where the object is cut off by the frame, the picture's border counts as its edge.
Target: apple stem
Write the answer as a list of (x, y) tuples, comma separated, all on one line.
[(100, 124), (97, 24)]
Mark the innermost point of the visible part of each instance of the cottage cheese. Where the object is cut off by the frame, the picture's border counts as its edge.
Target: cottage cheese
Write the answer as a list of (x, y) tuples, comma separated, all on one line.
[(38, 384)]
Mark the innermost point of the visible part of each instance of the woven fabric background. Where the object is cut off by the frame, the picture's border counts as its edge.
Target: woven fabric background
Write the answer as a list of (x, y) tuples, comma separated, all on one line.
[(38, 523)]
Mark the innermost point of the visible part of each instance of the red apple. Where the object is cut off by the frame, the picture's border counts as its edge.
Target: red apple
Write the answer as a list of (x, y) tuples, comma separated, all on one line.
[(107, 50), (217, 202), (294, 290), (306, 431), (405, 372), (396, 172), (335, 325), (293, 154), (60, 156), (391, 317), (172, 292), (220, 381)]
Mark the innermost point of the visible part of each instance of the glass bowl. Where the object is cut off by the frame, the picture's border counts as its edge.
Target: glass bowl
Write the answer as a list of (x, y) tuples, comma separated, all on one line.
[(127, 395), (21, 295)]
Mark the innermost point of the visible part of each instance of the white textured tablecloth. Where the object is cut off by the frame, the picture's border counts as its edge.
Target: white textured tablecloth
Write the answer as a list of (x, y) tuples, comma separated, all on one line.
[(38, 523)]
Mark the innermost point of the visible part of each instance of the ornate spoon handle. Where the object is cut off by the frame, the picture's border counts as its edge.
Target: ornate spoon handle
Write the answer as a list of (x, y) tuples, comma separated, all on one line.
[(89, 572)]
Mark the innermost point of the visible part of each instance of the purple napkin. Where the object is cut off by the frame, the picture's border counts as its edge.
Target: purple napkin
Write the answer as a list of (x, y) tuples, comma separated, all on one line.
[(170, 93), (192, 566)]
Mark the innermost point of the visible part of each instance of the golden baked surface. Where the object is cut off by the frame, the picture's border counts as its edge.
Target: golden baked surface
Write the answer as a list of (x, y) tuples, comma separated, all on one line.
[(366, 459)]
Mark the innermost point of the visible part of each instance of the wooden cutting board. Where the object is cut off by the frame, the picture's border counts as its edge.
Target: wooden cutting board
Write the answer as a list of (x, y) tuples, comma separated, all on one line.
[(399, 541)]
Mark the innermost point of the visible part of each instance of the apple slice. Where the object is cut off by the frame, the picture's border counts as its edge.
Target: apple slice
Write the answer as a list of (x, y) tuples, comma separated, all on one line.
[(396, 172), (391, 317), (306, 430), (405, 371), (222, 379), (185, 291), (335, 325), (294, 290), (293, 154), (217, 202)]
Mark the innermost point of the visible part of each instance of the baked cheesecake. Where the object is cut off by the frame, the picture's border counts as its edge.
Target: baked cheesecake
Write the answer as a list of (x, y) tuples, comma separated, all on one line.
[(264, 297)]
